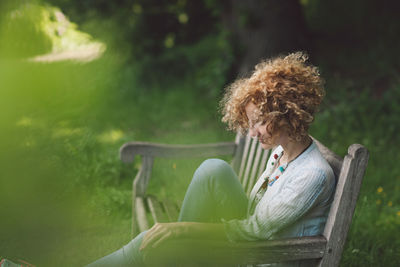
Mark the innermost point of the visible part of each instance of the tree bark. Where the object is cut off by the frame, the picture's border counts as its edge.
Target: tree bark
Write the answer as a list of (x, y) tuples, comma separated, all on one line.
[(263, 29)]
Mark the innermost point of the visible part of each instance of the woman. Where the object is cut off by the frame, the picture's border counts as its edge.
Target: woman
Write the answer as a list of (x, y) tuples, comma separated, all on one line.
[(291, 198), (293, 195)]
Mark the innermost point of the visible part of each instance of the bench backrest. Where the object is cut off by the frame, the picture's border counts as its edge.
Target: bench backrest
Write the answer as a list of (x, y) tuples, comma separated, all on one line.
[(249, 161)]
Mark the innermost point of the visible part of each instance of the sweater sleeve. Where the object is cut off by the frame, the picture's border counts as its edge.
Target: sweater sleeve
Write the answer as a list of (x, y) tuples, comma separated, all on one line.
[(296, 197)]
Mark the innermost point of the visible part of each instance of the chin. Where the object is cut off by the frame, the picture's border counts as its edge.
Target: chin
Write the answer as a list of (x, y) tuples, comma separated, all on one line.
[(266, 146)]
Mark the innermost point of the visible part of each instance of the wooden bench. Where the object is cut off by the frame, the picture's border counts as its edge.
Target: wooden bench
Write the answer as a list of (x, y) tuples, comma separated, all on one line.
[(249, 161)]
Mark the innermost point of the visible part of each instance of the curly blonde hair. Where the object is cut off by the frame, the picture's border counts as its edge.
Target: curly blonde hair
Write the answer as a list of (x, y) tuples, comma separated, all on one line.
[(286, 91)]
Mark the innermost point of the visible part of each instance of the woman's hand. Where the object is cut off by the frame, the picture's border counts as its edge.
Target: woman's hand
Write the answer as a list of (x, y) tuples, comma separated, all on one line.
[(162, 232)]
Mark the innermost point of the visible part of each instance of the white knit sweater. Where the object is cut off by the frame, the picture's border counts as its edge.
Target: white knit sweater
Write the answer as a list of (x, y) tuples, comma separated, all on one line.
[(296, 204)]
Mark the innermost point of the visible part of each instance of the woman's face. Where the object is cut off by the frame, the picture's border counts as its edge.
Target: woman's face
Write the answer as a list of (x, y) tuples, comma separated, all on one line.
[(259, 129)]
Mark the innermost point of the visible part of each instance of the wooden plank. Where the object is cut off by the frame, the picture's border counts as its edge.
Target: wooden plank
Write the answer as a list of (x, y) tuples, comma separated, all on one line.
[(139, 187), (156, 210), (221, 253), (141, 214), (281, 250), (143, 177), (171, 209), (344, 203), (129, 150), (249, 163), (244, 158), (254, 169), (263, 164), (240, 141)]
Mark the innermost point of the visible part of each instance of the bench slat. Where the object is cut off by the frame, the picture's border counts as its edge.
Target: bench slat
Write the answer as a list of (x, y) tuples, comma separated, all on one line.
[(254, 169), (171, 209), (156, 210), (141, 214), (249, 164), (264, 160), (244, 158)]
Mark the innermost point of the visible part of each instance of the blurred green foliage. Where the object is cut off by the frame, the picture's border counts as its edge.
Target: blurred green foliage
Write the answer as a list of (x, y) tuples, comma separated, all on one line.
[(61, 182)]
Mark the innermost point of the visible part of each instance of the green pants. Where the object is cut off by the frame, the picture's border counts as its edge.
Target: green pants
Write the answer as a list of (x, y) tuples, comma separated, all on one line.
[(214, 193)]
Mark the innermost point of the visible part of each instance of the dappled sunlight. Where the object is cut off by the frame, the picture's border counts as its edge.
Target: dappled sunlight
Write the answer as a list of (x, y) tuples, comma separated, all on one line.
[(54, 37), (68, 42), (27, 122), (66, 132), (85, 55), (24, 122), (29, 143), (111, 136), (61, 131)]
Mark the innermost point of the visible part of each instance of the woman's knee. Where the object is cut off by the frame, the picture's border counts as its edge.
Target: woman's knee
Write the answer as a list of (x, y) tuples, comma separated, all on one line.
[(214, 163), (215, 168)]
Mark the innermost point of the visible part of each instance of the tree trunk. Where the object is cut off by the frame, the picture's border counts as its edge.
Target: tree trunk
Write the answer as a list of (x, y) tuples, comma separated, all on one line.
[(264, 28)]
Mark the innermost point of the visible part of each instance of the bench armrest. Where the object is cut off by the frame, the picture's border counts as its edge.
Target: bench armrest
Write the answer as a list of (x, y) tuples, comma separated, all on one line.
[(129, 150)]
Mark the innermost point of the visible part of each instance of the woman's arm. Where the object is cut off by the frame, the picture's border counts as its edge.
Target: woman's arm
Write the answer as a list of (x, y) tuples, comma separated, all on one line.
[(303, 192), (161, 232)]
